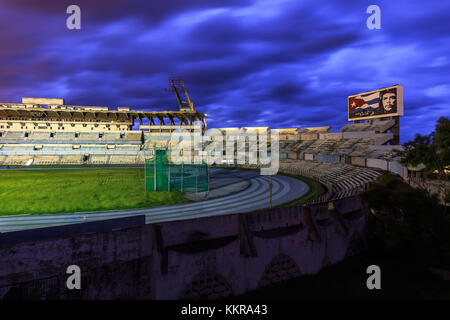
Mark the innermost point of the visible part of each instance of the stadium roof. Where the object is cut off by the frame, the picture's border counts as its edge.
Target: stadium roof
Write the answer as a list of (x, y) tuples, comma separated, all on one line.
[(69, 113)]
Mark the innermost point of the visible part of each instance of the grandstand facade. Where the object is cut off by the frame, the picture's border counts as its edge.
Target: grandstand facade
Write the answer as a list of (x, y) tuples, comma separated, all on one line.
[(43, 131)]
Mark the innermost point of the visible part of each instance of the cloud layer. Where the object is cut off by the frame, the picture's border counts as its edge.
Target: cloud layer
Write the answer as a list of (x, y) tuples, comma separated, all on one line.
[(246, 63)]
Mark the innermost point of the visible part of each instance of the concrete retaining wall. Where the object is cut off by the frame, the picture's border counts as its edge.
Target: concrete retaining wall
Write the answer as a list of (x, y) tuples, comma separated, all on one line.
[(289, 137), (331, 158), (309, 136), (334, 135), (293, 155), (377, 163), (208, 257), (358, 161), (358, 134), (397, 168)]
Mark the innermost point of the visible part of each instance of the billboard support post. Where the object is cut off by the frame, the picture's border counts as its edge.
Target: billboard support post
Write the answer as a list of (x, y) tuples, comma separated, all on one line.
[(396, 131)]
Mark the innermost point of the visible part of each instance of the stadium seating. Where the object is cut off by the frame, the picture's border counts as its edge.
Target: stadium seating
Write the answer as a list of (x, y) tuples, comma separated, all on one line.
[(16, 160), (39, 136), (122, 159), (140, 159), (88, 136), (64, 136), (342, 179), (98, 159), (112, 136), (376, 127), (315, 129), (12, 135), (132, 136), (46, 160), (71, 159)]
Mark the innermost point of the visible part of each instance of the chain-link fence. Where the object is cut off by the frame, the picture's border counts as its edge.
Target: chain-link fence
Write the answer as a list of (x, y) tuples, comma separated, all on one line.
[(160, 175)]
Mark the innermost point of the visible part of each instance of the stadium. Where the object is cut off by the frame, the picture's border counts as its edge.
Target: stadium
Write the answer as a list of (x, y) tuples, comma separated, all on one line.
[(234, 151), (196, 225)]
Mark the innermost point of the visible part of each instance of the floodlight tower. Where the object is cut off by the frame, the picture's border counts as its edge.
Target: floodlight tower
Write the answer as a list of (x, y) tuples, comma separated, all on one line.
[(176, 85)]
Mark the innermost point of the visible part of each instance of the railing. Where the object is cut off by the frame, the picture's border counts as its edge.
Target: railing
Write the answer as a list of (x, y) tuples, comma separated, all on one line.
[(76, 152)]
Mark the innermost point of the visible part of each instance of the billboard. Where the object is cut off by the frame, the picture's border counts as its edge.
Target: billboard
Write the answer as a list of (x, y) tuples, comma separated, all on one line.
[(385, 102)]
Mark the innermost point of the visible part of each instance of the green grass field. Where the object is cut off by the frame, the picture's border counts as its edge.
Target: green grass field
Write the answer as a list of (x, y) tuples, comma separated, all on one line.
[(315, 190), (50, 191), (82, 190)]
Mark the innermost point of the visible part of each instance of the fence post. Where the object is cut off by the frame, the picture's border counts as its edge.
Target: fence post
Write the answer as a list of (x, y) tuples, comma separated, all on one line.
[(168, 178), (182, 176), (154, 174), (207, 173), (196, 179)]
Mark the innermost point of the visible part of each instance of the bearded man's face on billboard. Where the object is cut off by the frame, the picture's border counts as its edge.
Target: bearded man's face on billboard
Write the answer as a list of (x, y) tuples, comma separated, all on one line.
[(389, 100)]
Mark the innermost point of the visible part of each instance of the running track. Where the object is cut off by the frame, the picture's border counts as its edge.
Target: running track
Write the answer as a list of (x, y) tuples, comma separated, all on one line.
[(254, 197)]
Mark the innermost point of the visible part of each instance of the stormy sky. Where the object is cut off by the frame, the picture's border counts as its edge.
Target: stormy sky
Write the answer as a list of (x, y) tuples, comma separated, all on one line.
[(274, 63)]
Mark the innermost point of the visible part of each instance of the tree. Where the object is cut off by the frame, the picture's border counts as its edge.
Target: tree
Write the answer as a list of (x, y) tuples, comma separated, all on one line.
[(433, 150), (408, 221), (442, 141)]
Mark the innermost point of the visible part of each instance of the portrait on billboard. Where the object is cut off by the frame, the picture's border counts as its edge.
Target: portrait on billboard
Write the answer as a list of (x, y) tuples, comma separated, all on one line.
[(388, 101), (376, 104)]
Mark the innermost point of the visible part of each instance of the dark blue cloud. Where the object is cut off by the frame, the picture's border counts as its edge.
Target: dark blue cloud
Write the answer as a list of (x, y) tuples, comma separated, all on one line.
[(246, 63)]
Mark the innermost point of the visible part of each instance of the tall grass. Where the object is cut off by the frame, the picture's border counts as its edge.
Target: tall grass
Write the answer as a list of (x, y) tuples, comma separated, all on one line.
[(65, 191)]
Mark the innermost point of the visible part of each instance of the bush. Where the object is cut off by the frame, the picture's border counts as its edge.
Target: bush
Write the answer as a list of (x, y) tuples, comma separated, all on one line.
[(407, 221), (432, 151)]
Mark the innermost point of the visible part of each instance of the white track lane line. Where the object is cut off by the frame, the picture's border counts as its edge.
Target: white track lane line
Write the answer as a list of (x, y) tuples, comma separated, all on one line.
[(252, 198)]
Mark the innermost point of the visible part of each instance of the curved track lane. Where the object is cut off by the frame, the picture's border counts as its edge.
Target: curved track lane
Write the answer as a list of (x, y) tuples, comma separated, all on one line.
[(254, 197)]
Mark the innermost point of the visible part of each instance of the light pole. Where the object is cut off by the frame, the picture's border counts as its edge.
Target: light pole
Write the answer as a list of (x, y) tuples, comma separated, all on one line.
[(270, 191)]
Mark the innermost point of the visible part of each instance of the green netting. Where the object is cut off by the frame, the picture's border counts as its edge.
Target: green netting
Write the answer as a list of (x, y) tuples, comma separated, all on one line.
[(160, 175)]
